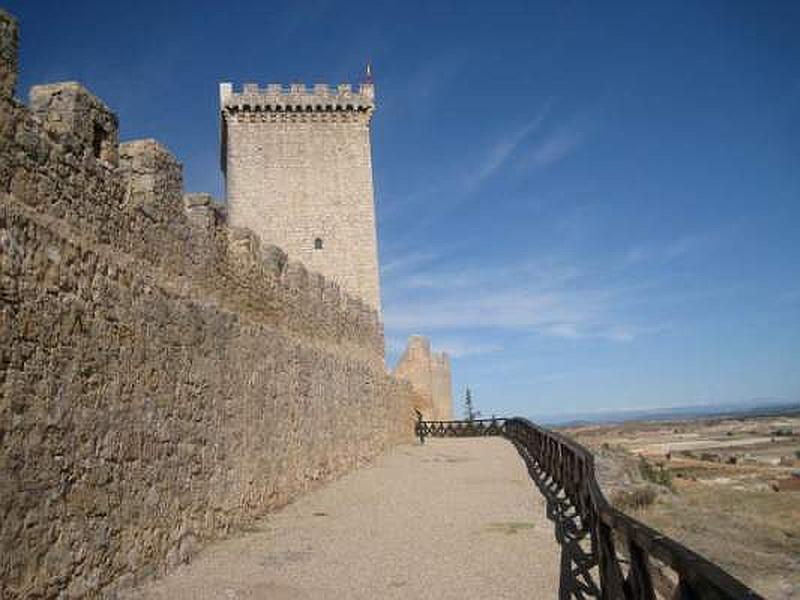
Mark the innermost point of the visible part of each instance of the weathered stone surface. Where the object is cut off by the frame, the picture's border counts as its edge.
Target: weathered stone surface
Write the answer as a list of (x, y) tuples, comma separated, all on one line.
[(139, 209), (154, 180), (298, 171), (441, 386), (78, 119), (8, 54), (429, 374), (164, 379)]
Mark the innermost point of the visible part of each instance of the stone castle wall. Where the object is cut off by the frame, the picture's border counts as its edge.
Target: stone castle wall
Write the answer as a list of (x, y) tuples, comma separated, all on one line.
[(165, 378), (429, 374), (298, 170), (8, 54), (442, 386)]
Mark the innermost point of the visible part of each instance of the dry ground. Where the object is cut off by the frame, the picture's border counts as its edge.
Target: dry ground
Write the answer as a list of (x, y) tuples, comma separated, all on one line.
[(455, 518), (730, 513)]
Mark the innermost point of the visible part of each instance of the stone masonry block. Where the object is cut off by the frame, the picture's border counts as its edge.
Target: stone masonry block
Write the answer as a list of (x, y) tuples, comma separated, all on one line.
[(298, 172), (200, 210), (78, 119), (8, 54), (429, 374), (154, 179), (244, 245), (275, 259)]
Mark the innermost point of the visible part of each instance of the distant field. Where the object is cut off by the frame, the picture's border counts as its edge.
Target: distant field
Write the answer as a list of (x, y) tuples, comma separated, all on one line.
[(728, 488)]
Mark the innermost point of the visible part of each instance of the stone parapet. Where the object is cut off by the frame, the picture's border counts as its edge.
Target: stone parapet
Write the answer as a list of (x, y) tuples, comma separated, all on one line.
[(202, 210), (297, 98), (143, 421), (298, 171), (429, 374), (154, 180), (165, 379), (441, 386), (132, 200), (78, 119), (9, 33)]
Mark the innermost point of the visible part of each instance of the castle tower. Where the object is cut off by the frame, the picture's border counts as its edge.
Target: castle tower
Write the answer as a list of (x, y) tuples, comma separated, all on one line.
[(429, 374), (441, 386), (298, 172)]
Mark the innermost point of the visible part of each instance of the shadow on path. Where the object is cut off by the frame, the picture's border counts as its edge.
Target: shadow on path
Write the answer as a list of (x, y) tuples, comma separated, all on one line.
[(577, 558)]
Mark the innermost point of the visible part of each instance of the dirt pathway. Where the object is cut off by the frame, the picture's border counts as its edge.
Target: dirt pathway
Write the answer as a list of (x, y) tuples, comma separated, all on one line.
[(451, 519)]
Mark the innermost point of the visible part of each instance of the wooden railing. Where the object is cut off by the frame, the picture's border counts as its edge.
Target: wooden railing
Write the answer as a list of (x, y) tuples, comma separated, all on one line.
[(605, 553), (473, 428)]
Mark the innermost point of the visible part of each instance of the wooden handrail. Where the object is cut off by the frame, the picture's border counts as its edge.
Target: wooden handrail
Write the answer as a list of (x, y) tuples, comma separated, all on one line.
[(623, 550)]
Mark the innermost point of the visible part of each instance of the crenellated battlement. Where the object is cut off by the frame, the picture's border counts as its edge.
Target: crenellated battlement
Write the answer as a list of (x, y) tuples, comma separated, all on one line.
[(297, 98), (429, 374), (8, 53), (298, 171), (61, 158), (172, 376), (440, 359), (77, 119)]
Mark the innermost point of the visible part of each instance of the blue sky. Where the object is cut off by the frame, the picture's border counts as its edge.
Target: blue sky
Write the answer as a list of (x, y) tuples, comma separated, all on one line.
[(590, 205)]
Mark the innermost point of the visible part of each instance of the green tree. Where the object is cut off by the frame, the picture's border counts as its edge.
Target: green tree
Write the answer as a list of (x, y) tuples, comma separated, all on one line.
[(470, 414)]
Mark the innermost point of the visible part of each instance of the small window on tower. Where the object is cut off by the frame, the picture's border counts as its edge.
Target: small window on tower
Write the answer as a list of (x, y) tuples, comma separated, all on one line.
[(318, 244), (99, 140)]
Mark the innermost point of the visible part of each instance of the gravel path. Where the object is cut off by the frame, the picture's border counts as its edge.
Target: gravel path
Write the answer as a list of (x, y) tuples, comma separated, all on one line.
[(455, 518)]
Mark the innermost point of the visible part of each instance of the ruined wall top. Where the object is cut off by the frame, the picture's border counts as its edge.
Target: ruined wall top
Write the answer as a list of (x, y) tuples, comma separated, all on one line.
[(9, 35), (297, 97), (429, 374), (419, 345), (298, 171), (441, 386), (441, 359), (60, 156), (77, 118)]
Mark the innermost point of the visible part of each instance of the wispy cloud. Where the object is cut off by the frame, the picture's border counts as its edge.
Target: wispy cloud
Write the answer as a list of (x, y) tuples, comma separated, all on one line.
[(456, 347), (547, 296), (466, 346), (504, 148), (545, 273), (538, 143), (790, 296), (561, 141), (556, 147), (407, 262), (561, 314), (676, 248), (424, 86)]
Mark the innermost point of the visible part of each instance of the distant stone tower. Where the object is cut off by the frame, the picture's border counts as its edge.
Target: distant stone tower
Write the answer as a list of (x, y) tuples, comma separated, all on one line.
[(429, 374), (298, 172)]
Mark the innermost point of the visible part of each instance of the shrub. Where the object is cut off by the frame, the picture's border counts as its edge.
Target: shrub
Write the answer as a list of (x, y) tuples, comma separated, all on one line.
[(655, 474), (633, 499)]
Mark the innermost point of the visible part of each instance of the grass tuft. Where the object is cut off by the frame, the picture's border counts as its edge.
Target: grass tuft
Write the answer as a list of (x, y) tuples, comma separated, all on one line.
[(655, 474), (510, 527), (637, 498)]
